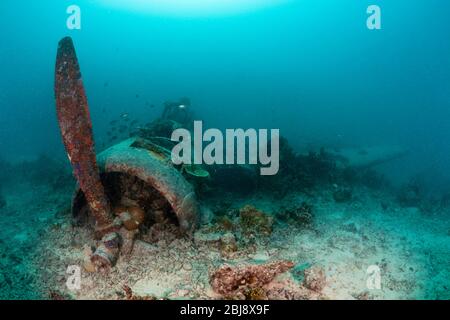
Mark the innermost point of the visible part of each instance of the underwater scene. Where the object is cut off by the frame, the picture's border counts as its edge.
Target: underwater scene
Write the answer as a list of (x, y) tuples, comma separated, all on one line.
[(224, 150)]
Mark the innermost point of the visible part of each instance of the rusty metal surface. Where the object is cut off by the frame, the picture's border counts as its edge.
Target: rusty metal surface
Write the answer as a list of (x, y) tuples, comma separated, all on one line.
[(156, 172), (76, 130)]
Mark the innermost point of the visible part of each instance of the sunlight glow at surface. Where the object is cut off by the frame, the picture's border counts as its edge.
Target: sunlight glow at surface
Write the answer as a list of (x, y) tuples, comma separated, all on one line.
[(191, 7)]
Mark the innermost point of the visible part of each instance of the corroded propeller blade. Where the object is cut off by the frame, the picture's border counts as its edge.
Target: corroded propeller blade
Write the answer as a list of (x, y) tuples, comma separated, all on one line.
[(76, 130)]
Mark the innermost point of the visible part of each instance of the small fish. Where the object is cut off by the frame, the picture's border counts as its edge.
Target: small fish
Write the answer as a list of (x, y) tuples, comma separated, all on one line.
[(106, 84), (113, 138), (124, 115), (113, 122), (109, 133), (137, 96)]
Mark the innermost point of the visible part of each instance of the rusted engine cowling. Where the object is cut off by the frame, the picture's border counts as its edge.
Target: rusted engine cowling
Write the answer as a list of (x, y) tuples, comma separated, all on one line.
[(156, 170)]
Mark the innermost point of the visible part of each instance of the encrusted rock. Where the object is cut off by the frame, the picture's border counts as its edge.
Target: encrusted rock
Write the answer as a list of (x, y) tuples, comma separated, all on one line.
[(228, 244), (315, 278), (210, 238), (231, 282), (255, 222)]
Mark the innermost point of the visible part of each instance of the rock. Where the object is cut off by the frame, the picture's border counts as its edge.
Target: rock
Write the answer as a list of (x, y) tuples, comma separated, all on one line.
[(255, 222), (228, 244), (315, 278), (301, 216), (238, 281), (210, 238)]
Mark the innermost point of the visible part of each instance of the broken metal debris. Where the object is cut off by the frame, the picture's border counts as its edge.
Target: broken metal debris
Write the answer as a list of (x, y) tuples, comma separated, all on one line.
[(135, 176), (107, 252)]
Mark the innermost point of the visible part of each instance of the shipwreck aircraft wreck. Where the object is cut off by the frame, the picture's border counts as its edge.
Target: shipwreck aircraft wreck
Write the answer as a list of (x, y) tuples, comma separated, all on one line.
[(123, 187)]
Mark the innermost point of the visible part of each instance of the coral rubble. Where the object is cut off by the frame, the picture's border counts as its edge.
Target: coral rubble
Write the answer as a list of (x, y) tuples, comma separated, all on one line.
[(247, 281)]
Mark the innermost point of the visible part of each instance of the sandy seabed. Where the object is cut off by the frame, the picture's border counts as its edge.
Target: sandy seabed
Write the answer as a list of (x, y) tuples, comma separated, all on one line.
[(410, 248)]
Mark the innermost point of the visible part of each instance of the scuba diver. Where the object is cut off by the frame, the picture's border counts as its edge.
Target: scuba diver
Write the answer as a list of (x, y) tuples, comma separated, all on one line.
[(179, 111)]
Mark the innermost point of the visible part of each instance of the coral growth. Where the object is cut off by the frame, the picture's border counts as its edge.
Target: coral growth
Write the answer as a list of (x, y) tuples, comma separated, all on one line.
[(130, 295), (255, 294), (301, 216), (224, 223), (228, 245), (255, 222), (246, 282), (298, 172)]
